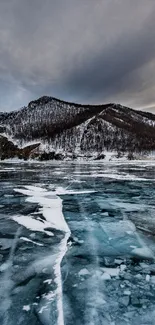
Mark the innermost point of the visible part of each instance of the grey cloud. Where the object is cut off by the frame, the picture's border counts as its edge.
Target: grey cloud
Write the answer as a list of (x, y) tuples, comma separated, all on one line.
[(86, 50), (119, 68)]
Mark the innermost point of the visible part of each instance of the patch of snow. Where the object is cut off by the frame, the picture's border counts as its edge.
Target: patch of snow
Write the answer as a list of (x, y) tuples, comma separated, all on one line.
[(26, 308), (31, 241), (32, 224), (48, 296), (51, 209), (147, 278), (42, 309), (49, 281)]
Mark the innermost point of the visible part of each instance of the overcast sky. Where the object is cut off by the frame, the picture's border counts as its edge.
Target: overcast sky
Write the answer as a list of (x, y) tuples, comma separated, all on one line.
[(88, 51)]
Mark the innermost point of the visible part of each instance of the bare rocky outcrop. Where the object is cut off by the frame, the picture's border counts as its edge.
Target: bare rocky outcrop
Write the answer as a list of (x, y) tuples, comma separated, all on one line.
[(9, 150)]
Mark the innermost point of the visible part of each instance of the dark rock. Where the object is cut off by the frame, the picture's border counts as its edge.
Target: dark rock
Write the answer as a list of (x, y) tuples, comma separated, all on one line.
[(7, 148), (51, 156), (99, 157), (59, 156), (2, 129), (29, 151), (47, 156), (130, 156)]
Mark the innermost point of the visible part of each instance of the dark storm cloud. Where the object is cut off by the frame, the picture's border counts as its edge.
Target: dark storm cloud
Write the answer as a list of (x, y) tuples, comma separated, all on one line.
[(116, 69), (83, 50)]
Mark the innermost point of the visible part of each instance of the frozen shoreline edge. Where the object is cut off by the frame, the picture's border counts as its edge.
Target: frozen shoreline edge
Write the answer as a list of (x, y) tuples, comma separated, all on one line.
[(78, 161)]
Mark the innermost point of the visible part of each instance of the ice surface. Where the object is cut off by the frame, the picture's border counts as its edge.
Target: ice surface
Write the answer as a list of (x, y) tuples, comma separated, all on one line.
[(144, 252), (84, 272), (58, 279), (101, 279), (63, 191), (106, 276), (111, 271), (127, 293), (114, 176), (51, 210)]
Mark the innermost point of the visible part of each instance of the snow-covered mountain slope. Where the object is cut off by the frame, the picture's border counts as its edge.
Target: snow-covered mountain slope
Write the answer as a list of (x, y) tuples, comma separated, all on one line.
[(76, 128)]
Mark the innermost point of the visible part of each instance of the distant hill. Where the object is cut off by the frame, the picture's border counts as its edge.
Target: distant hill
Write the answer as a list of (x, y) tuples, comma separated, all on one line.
[(80, 129)]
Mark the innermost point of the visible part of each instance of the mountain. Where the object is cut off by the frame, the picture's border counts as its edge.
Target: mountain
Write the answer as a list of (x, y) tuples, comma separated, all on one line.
[(80, 129)]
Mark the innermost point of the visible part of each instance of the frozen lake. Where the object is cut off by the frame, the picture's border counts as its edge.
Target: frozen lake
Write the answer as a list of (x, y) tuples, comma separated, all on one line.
[(77, 243)]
